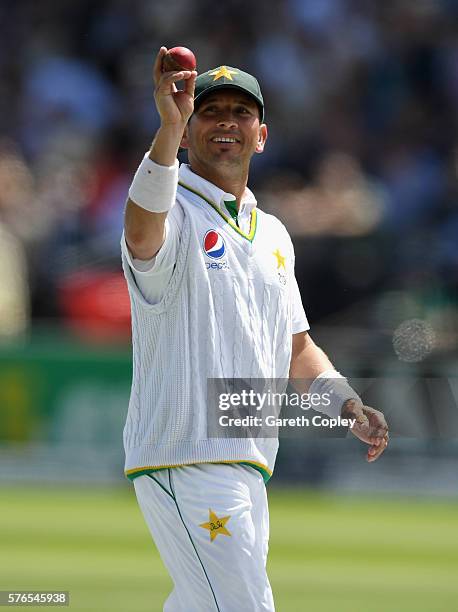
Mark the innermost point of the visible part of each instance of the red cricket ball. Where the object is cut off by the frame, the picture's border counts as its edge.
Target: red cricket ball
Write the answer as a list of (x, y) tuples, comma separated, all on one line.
[(178, 58)]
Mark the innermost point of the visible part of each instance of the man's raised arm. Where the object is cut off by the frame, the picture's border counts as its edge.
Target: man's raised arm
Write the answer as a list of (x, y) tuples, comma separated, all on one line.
[(153, 190)]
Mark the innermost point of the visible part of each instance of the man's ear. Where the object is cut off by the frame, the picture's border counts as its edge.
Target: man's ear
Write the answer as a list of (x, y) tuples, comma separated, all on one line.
[(262, 138), (184, 144)]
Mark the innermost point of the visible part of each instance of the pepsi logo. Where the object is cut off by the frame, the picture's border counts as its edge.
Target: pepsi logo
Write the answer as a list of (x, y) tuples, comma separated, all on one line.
[(214, 245)]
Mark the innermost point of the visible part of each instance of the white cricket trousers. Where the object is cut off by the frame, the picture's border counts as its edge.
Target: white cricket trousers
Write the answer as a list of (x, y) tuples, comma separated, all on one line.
[(210, 523)]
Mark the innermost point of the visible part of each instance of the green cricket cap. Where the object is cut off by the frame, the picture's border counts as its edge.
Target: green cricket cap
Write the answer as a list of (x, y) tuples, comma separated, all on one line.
[(228, 77)]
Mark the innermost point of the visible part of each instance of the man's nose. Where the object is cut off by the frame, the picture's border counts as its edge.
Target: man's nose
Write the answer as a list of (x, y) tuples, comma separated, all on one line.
[(228, 121)]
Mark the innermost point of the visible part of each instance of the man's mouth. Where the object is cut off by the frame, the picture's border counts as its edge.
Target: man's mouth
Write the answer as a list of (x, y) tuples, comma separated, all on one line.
[(225, 139)]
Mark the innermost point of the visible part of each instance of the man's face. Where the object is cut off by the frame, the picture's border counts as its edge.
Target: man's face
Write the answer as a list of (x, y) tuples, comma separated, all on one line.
[(225, 129)]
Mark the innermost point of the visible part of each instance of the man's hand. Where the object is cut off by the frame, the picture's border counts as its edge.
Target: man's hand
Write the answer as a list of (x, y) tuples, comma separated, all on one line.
[(370, 427), (145, 229), (174, 106)]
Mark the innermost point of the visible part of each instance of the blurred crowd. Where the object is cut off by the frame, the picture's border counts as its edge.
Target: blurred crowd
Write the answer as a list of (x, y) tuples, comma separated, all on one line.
[(361, 163)]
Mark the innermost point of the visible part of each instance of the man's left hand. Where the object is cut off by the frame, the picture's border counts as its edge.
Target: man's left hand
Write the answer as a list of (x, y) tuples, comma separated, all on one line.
[(370, 427)]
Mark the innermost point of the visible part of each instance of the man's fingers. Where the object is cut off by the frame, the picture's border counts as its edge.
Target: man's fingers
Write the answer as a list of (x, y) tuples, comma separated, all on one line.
[(170, 78), (370, 427), (157, 69), (376, 418), (375, 451), (377, 434), (190, 84), (378, 426)]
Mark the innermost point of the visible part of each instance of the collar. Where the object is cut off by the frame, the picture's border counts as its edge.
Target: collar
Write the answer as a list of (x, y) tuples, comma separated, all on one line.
[(214, 193)]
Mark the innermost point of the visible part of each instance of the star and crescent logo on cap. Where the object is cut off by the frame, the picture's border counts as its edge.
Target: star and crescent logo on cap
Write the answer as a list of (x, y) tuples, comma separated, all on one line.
[(223, 71)]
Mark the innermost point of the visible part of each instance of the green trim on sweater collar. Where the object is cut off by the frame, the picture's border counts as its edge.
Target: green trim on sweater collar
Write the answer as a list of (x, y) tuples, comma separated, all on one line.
[(253, 216)]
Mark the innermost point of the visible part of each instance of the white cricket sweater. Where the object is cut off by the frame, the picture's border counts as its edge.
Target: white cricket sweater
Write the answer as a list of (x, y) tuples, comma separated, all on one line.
[(226, 313)]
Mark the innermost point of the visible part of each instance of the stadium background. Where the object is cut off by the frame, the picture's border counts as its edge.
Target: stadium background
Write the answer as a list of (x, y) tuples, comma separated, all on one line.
[(361, 166)]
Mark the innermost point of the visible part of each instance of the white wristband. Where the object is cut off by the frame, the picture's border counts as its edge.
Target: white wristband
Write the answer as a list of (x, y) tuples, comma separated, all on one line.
[(331, 384), (154, 187)]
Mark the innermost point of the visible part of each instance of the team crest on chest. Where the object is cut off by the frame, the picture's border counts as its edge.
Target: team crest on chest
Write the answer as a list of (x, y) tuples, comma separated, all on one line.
[(281, 264), (214, 245)]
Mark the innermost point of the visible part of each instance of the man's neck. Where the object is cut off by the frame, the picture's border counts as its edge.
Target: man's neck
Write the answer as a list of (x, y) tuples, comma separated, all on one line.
[(228, 182)]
